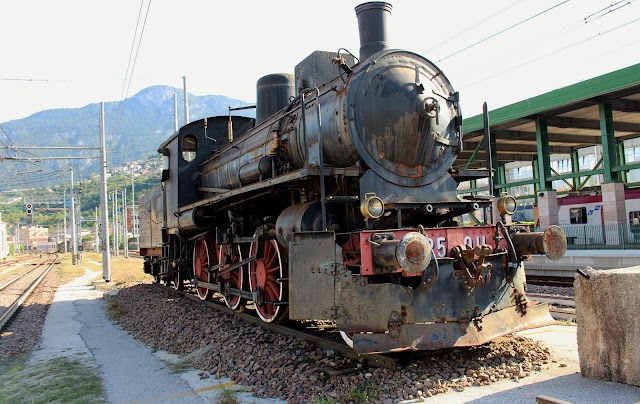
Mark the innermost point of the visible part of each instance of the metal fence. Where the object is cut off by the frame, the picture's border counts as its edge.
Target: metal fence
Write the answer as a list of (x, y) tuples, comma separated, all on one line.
[(603, 237)]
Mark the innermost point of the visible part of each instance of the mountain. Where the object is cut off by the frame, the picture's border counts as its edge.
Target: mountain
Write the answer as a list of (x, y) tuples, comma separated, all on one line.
[(135, 134)]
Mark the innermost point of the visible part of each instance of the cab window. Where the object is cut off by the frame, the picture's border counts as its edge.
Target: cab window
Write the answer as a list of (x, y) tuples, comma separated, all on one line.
[(189, 147), (578, 215)]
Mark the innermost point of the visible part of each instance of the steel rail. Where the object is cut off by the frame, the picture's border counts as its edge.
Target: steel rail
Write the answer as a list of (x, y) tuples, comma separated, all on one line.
[(16, 305), (559, 313), (2, 287)]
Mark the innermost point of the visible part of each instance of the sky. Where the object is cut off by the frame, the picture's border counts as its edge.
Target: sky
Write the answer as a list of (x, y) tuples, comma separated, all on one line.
[(70, 53)]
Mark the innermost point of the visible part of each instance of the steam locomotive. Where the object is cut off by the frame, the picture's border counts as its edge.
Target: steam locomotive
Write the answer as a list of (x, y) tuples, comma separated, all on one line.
[(338, 202)]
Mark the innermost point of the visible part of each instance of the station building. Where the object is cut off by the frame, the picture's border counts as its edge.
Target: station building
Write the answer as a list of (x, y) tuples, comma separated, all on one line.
[(32, 236), (571, 157)]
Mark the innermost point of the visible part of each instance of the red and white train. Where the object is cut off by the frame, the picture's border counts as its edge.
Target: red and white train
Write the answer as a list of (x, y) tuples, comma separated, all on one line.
[(589, 209)]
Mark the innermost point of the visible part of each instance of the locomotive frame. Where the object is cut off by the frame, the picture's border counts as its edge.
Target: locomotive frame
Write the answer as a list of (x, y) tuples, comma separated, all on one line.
[(339, 202)]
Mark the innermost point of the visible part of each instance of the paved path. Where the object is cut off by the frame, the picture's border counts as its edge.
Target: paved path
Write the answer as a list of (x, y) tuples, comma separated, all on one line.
[(76, 327), (562, 382)]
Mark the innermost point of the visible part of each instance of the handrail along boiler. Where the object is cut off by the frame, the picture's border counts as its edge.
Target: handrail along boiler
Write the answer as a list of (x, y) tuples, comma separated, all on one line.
[(338, 201)]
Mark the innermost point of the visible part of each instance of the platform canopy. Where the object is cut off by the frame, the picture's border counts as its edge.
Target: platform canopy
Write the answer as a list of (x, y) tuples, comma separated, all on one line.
[(568, 119)]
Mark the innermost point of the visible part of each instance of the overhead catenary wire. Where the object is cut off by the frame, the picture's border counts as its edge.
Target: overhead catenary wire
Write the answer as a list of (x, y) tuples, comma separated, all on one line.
[(472, 26), (503, 30), (550, 53), (133, 65), (548, 38)]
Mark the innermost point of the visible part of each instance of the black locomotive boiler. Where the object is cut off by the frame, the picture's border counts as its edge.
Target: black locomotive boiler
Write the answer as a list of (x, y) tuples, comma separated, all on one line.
[(338, 202)]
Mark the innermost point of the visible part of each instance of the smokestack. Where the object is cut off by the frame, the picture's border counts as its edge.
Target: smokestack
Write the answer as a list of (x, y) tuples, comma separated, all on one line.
[(372, 21)]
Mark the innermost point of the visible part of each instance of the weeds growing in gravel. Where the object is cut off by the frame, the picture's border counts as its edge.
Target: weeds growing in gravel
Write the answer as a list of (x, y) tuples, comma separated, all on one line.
[(59, 380), (114, 310), (180, 366), (226, 396), (363, 393)]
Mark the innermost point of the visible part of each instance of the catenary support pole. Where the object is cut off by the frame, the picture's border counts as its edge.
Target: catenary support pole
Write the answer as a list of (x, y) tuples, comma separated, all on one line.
[(106, 259), (125, 231), (186, 100), (175, 112), (116, 231), (65, 221), (74, 243), (97, 249)]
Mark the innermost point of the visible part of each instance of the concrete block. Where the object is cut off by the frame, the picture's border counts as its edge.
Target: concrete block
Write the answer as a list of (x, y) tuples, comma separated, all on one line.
[(607, 307)]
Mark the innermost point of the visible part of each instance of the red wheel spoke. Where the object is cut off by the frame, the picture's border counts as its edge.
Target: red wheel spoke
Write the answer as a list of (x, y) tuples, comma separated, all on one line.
[(235, 278), (264, 273)]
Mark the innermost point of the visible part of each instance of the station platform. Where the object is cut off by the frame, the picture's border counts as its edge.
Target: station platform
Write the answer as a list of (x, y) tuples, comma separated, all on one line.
[(540, 265)]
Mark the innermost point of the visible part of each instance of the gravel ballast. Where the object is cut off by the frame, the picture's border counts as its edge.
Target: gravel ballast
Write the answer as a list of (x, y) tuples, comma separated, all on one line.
[(23, 331), (284, 367)]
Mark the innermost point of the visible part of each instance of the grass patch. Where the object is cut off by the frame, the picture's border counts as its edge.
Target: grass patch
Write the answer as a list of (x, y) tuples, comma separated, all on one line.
[(226, 396), (66, 270), (568, 323), (363, 393), (114, 309), (125, 271), (180, 366), (57, 381)]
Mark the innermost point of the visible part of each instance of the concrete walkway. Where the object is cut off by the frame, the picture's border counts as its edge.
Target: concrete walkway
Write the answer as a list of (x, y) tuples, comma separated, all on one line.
[(562, 380), (76, 327)]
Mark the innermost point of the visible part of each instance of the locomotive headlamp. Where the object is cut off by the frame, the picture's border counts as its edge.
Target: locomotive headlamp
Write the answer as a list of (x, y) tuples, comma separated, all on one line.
[(507, 205), (372, 207)]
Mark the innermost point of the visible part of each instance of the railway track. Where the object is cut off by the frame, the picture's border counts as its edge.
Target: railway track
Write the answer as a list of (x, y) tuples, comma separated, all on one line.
[(23, 290), (550, 281), (561, 307)]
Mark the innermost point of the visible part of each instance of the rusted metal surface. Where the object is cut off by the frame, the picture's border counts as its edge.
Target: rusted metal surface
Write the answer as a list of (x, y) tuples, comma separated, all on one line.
[(552, 242), (475, 272), (369, 306), (441, 240), (391, 129), (373, 360), (411, 253), (315, 273), (444, 335)]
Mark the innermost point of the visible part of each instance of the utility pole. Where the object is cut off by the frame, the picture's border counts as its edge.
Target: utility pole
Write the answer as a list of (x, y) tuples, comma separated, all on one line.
[(96, 226), (116, 224), (65, 221), (186, 100), (80, 247), (175, 112), (124, 223), (74, 244), (133, 208), (106, 263)]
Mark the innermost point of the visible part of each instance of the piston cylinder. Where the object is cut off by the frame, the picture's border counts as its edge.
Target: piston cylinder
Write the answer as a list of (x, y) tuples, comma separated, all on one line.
[(303, 217), (195, 219)]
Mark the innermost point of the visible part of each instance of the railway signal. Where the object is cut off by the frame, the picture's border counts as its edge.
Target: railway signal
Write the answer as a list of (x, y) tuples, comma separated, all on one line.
[(29, 209)]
